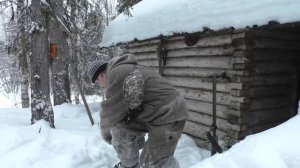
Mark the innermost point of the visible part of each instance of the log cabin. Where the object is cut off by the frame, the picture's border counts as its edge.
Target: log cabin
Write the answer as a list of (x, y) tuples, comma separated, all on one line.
[(255, 56)]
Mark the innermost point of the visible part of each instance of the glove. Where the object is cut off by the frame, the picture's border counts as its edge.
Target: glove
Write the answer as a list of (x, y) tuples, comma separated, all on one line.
[(105, 132)]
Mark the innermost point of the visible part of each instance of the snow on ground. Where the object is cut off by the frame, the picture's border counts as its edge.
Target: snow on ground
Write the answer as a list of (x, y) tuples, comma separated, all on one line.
[(73, 144), (76, 144), (9, 100), (151, 18), (14, 100), (275, 148)]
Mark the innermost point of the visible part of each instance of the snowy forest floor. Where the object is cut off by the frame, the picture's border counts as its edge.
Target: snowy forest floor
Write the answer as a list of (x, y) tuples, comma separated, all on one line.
[(76, 144)]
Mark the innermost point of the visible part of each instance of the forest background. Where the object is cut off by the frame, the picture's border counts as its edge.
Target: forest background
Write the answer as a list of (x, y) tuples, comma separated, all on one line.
[(46, 47)]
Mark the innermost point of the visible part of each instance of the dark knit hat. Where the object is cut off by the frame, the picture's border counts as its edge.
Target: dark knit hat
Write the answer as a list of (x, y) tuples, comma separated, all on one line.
[(96, 68)]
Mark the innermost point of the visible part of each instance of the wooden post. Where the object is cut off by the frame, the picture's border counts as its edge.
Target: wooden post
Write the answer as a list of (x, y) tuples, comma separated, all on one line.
[(215, 147), (214, 125), (82, 95)]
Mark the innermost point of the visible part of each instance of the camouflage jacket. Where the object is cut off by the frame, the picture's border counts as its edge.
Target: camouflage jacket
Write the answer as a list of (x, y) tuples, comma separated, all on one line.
[(153, 98)]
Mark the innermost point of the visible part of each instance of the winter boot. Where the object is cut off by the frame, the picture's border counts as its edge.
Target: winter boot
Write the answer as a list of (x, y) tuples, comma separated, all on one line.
[(119, 165)]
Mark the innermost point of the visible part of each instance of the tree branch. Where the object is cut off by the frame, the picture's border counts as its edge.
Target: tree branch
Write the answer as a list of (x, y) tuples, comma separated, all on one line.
[(11, 1), (5, 8)]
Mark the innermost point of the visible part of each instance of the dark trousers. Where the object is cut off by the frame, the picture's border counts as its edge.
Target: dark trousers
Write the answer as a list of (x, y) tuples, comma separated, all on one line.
[(157, 150)]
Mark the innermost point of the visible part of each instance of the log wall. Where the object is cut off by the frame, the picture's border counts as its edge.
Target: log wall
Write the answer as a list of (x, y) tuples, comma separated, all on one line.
[(258, 94), (273, 77)]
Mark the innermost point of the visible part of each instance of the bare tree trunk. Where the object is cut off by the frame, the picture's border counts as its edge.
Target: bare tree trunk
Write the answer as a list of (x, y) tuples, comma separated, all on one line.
[(60, 67), (107, 12), (73, 51), (41, 107), (23, 50)]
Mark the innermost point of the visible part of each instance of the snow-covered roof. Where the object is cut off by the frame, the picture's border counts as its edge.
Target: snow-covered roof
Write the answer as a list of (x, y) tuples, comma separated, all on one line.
[(151, 18)]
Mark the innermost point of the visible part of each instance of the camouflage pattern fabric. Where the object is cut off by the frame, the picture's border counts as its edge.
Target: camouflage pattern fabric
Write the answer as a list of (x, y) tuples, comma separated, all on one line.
[(133, 89)]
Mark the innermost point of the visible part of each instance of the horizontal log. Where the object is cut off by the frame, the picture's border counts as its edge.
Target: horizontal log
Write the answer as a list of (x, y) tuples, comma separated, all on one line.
[(178, 42), (197, 83), (204, 96), (267, 54), (258, 128), (239, 105), (271, 79), (188, 62), (240, 44), (263, 91), (274, 43), (209, 51), (192, 72), (211, 62), (264, 116), (146, 56), (269, 90), (241, 66), (198, 130), (273, 67), (242, 72), (204, 41), (222, 124), (206, 108), (264, 43), (239, 92), (199, 71), (221, 111), (199, 51), (270, 102), (240, 60), (240, 99), (144, 43), (213, 52), (144, 49), (264, 80), (239, 86), (152, 55), (278, 35), (239, 35)]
